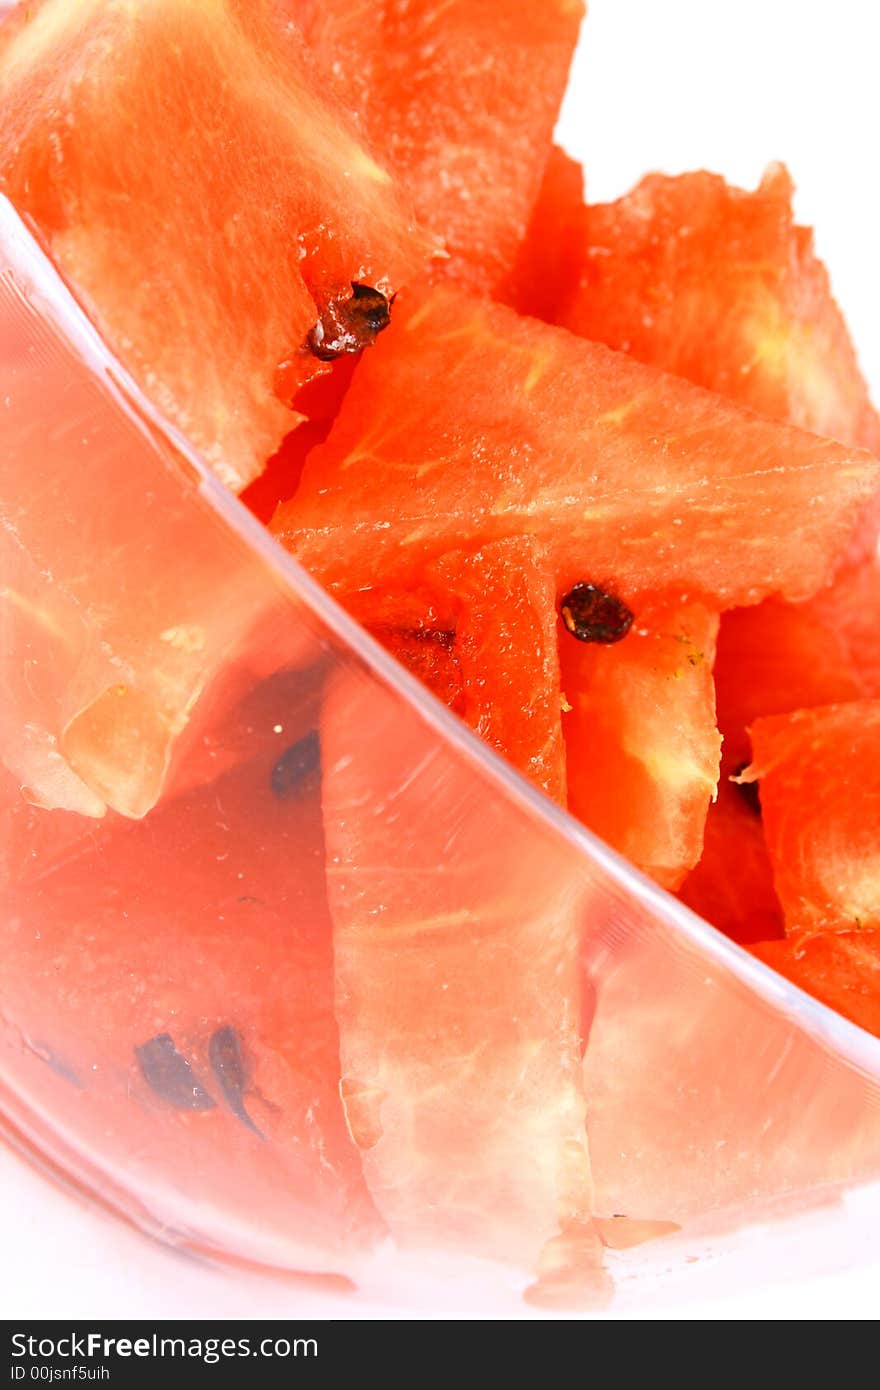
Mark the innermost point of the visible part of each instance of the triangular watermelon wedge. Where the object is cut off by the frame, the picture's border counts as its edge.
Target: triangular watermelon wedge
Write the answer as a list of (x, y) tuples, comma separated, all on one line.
[(457, 938), (204, 195), (468, 424), (455, 96), (129, 612), (720, 285)]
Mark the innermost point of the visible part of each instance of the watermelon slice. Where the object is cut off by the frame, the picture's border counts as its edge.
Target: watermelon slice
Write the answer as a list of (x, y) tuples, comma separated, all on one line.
[(206, 200), (108, 673), (507, 64), (840, 968), (642, 747), (461, 100), (720, 286), (456, 934), (819, 775), (168, 999), (468, 424)]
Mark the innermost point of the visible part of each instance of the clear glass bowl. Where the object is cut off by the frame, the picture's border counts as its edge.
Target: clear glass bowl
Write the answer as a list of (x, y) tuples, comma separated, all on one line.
[(147, 1053)]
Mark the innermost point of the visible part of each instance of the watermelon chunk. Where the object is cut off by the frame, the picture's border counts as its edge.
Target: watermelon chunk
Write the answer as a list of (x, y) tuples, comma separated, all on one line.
[(819, 775), (720, 286), (461, 100), (841, 968), (168, 999), (456, 934), (468, 424), (642, 748), (129, 613), (201, 193)]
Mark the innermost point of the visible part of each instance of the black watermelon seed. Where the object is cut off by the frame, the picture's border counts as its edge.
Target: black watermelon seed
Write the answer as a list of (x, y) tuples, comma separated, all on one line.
[(592, 615), (749, 791), (371, 306), (227, 1064), (349, 324), (170, 1075), (296, 765)]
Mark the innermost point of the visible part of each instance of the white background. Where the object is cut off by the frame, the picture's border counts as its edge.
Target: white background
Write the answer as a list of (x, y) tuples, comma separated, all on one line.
[(658, 84)]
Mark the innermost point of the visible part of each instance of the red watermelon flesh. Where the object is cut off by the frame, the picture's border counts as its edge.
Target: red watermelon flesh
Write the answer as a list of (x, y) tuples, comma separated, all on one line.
[(203, 195), (550, 256), (839, 968), (31, 836), (642, 748), (280, 478), (849, 613), (732, 885), (506, 643), (456, 936), (461, 100), (168, 990), (346, 40), (773, 659), (482, 635), (819, 776), (720, 286), (110, 668), (418, 628), (239, 726), (315, 407), (468, 424), (431, 656)]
